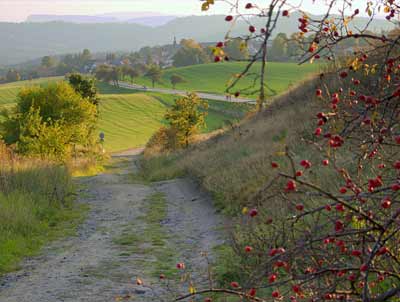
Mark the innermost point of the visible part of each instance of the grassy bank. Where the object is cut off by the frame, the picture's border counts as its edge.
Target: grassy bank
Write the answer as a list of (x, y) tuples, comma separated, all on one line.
[(236, 164), (213, 77), (36, 206)]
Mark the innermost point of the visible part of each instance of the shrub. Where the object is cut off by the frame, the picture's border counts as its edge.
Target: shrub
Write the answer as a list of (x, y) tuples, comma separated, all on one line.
[(50, 121)]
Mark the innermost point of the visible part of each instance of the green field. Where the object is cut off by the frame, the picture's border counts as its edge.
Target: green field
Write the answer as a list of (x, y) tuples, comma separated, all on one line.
[(214, 77), (8, 92), (129, 118)]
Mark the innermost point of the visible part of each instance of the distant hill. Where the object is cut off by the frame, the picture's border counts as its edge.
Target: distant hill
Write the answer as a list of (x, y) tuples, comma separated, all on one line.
[(148, 19), (26, 41)]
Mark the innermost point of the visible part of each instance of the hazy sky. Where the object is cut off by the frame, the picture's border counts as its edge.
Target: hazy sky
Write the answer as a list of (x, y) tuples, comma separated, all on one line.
[(18, 10)]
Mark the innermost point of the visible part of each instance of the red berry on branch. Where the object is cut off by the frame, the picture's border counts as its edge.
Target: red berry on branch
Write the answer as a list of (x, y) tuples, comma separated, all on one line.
[(356, 253), (291, 185), (343, 190), (180, 265), (229, 18), (217, 59), (299, 207), (234, 284), (252, 292), (397, 165), (248, 249), (318, 92), (275, 294), (386, 203), (325, 162), (248, 6), (253, 213), (274, 165), (318, 131), (220, 44), (364, 267), (299, 173), (252, 29), (343, 74), (272, 278), (285, 13)]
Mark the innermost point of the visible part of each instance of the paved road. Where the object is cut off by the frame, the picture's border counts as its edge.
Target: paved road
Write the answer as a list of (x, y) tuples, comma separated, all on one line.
[(208, 96)]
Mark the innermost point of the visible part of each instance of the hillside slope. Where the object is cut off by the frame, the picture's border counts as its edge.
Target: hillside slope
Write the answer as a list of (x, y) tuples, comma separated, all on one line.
[(237, 163)]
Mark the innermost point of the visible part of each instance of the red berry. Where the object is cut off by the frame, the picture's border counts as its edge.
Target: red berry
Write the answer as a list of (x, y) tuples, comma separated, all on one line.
[(180, 265), (318, 92), (248, 6), (318, 132), (220, 44), (252, 292), (237, 94), (274, 165), (340, 207), (248, 249), (229, 18), (285, 13), (291, 185), (299, 207), (364, 267), (208, 299), (252, 29), (395, 187), (343, 190), (234, 284), (296, 288), (162, 276), (275, 294), (356, 253), (306, 164), (217, 59), (272, 278), (325, 162), (386, 203), (299, 173), (343, 74), (397, 165), (253, 212)]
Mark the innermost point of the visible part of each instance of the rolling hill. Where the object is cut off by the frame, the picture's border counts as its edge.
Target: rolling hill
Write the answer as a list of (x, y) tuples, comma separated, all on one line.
[(26, 41), (213, 77), (129, 118)]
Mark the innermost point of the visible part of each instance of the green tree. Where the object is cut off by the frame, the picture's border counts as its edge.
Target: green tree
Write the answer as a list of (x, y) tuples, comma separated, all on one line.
[(154, 73), (176, 79), (186, 117), (50, 121), (85, 86), (13, 76), (237, 49), (48, 62), (279, 48), (190, 53)]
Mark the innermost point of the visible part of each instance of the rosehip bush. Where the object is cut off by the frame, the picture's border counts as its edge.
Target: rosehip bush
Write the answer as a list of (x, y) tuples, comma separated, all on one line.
[(337, 234)]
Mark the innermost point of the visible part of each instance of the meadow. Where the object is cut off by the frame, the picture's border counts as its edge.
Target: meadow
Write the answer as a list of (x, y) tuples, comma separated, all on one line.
[(128, 118), (213, 77)]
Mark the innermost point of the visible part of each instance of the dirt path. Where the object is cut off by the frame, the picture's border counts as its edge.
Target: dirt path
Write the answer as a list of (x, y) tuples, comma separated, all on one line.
[(133, 230)]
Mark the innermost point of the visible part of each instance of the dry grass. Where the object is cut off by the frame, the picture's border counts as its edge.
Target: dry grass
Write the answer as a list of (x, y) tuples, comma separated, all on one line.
[(236, 164), (35, 206)]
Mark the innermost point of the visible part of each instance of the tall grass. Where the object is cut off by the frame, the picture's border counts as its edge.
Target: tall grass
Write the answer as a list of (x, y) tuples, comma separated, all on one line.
[(36, 206)]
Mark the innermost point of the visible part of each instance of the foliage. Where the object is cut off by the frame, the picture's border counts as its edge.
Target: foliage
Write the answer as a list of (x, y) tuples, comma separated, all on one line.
[(13, 76), (108, 73), (190, 53), (236, 49), (85, 86), (154, 73), (48, 62), (50, 121), (185, 118), (176, 79)]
